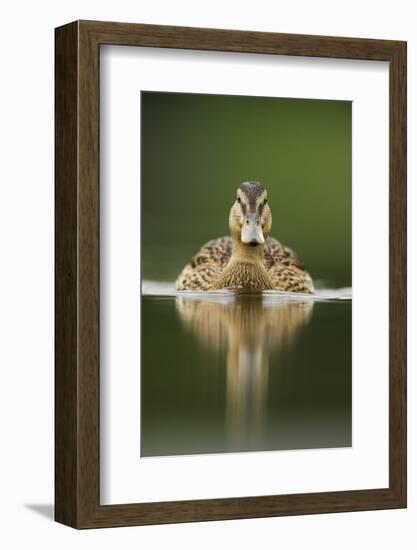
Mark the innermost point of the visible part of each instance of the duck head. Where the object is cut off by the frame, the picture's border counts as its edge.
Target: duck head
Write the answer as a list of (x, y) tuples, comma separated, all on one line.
[(250, 217), (250, 224)]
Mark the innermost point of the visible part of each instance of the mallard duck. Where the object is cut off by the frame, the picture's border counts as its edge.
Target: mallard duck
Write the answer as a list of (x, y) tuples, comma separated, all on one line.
[(249, 258)]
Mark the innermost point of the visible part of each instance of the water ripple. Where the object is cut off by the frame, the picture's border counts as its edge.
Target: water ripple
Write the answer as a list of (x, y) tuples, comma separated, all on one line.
[(159, 288)]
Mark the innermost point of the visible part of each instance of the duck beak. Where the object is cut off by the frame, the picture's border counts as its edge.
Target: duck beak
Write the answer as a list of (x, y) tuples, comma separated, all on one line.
[(252, 231)]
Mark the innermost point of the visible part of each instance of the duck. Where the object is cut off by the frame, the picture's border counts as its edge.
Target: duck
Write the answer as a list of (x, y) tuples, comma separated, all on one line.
[(249, 258)]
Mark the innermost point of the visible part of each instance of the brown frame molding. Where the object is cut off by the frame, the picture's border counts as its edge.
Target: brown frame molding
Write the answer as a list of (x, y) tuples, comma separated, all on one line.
[(77, 274)]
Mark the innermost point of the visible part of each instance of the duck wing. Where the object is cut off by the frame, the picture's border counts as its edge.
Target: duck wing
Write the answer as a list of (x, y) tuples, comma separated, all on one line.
[(206, 265), (216, 252), (277, 253), (285, 268)]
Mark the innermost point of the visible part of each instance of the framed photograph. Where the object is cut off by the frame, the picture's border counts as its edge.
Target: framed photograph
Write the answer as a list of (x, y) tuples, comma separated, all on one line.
[(230, 274)]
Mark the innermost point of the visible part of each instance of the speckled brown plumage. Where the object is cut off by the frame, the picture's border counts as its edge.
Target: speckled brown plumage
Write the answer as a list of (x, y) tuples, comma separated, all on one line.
[(284, 269)]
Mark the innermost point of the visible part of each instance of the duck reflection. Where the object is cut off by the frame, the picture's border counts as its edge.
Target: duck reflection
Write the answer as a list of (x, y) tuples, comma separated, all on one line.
[(248, 327)]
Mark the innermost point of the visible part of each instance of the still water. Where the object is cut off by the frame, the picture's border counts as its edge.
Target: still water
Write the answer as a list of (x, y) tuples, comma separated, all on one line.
[(238, 371)]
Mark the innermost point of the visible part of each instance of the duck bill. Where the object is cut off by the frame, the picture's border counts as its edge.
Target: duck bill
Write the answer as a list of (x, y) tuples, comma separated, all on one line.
[(251, 231)]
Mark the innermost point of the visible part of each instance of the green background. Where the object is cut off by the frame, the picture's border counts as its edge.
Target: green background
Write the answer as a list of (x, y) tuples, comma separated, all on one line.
[(197, 149)]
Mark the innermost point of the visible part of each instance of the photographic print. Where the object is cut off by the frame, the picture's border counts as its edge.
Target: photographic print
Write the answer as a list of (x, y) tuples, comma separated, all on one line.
[(218, 193), (246, 274)]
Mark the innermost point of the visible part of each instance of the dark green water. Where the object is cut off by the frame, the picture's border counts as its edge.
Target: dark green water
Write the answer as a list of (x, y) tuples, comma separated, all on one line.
[(242, 372)]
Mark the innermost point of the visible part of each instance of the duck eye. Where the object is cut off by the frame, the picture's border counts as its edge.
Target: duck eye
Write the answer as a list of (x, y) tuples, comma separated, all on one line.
[(265, 201), (238, 199)]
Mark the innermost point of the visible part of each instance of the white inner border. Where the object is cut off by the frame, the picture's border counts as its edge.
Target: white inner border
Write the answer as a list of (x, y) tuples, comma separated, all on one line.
[(125, 71)]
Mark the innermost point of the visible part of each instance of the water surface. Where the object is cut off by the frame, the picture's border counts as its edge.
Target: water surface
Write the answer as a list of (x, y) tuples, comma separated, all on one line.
[(236, 371)]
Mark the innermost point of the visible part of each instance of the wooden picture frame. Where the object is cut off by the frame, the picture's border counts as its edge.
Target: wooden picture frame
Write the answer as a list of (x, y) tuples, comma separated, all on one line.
[(77, 372)]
